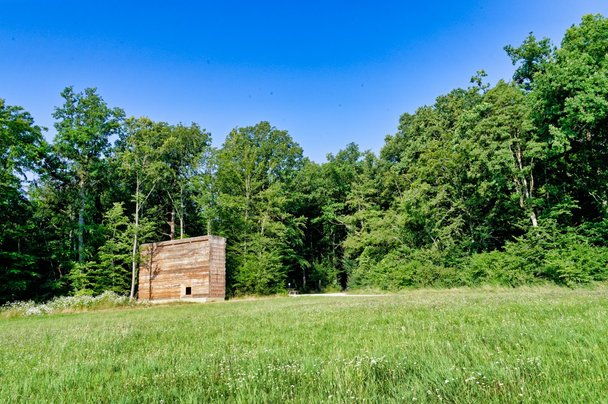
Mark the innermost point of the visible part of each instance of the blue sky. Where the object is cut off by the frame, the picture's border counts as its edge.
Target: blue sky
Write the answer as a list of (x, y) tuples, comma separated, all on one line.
[(328, 72)]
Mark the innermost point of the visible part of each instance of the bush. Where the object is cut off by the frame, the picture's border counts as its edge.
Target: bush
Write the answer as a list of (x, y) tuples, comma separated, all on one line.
[(578, 263), (65, 304), (544, 254), (400, 269), (563, 258), (498, 268)]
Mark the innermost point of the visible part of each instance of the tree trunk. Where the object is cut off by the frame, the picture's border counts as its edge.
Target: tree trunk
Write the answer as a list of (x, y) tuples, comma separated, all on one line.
[(247, 196), (135, 231), (525, 188), (171, 221), (113, 273), (533, 218), (172, 225), (181, 213), (81, 223), (181, 226)]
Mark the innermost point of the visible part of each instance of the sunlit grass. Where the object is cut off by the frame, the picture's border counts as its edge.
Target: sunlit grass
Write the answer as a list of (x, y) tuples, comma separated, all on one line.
[(69, 304), (528, 345)]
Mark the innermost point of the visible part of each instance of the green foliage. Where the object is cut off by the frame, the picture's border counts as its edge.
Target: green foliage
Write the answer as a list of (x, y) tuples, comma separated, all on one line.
[(324, 275), (22, 152), (489, 184), (545, 254), (184, 150), (254, 169), (260, 274), (84, 125), (532, 56), (139, 161), (571, 114), (113, 273), (571, 260), (205, 191), (327, 188), (499, 268)]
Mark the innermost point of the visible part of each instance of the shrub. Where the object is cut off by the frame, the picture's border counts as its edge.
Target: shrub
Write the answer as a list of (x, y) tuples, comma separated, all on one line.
[(577, 263), (65, 304), (400, 269), (563, 258), (499, 268)]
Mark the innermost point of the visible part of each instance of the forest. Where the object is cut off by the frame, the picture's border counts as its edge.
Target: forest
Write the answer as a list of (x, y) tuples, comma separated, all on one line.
[(504, 184)]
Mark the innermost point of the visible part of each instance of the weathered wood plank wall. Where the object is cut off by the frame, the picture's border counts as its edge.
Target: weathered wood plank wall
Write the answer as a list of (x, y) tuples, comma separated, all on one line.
[(193, 268)]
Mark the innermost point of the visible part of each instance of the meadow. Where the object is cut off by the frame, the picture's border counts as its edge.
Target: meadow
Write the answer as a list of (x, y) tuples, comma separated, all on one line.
[(539, 345)]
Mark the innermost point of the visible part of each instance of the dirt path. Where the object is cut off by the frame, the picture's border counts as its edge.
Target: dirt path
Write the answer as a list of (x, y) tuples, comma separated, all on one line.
[(335, 294)]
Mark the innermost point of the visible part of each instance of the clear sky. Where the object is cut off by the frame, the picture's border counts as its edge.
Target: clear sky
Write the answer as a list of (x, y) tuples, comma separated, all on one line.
[(328, 72)]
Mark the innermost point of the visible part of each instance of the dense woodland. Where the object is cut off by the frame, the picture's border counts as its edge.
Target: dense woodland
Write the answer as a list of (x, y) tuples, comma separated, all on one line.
[(504, 184)]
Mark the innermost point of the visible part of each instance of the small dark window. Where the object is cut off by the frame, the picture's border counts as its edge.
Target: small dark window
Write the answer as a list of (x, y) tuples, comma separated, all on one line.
[(188, 291)]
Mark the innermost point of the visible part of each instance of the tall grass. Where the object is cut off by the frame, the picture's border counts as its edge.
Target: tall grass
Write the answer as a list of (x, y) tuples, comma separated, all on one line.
[(542, 345), (68, 304)]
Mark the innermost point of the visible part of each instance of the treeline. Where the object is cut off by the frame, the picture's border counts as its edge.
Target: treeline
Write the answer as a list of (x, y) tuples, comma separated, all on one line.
[(505, 184)]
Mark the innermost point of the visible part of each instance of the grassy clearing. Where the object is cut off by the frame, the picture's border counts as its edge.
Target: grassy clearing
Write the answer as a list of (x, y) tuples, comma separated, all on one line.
[(529, 345)]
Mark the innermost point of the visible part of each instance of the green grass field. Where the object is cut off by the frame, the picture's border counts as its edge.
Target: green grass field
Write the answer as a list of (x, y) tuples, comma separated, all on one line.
[(475, 346)]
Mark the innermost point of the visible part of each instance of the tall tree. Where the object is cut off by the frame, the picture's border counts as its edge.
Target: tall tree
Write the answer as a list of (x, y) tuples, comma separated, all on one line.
[(114, 254), (22, 154), (338, 175), (531, 58), (205, 191), (569, 93), (254, 165), (139, 157), (185, 150), (503, 151), (84, 125)]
